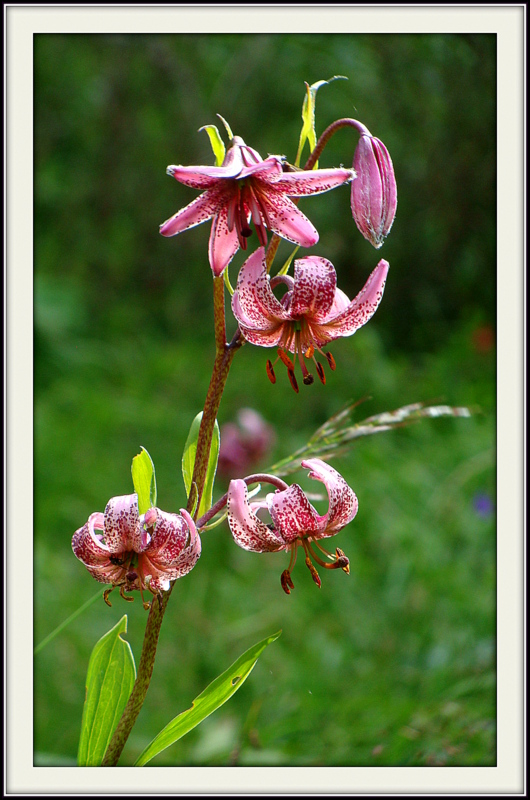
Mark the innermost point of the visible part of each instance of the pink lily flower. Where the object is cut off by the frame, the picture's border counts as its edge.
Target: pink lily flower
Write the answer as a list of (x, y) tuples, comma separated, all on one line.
[(294, 521), (310, 314), (137, 552), (246, 188)]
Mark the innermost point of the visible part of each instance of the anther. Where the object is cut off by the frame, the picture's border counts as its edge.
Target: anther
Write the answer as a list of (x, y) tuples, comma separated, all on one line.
[(314, 573), (286, 360), (129, 599), (342, 560), (309, 352), (106, 596), (286, 581), (270, 372), (292, 379), (321, 373), (331, 360)]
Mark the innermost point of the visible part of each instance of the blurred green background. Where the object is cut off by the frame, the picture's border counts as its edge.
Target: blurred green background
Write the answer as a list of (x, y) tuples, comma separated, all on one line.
[(395, 664)]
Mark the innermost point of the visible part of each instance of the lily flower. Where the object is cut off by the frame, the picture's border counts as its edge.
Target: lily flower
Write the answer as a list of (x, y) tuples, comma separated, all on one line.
[(246, 188), (137, 552), (294, 521), (312, 312)]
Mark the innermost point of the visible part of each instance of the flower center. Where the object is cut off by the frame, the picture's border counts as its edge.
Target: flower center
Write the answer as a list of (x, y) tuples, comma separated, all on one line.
[(247, 204), (298, 340), (335, 561)]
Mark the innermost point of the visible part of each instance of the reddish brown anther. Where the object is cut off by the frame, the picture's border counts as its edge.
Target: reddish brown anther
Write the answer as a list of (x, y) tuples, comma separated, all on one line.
[(321, 373), (286, 581), (331, 361), (293, 380), (286, 360), (314, 574), (270, 372)]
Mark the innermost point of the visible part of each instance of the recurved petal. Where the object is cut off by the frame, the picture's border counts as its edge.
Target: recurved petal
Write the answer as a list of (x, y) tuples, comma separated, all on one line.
[(199, 210), (122, 528), (87, 545), (285, 219), (343, 502), (268, 170), (178, 549), (292, 513), (269, 335), (248, 530), (199, 177), (315, 282), (255, 298), (361, 309), (223, 243), (313, 181)]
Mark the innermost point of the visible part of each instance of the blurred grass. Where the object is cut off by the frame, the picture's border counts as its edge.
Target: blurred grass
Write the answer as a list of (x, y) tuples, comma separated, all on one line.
[(394, 664)]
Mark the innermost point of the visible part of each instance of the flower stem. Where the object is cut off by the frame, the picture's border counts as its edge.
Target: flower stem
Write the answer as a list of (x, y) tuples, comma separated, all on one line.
[(328, 133), (224, 353)]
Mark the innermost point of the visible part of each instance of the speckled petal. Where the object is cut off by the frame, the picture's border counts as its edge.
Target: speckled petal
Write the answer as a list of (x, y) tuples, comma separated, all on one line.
[(93, 553), (122, 525), (174, 553), (356, 314), (286, 219), (313, 181), (343, 502), (248, 530), (315, 281), (268, 335), (292, 513), (195, 213), (260, 308), (223, 244)]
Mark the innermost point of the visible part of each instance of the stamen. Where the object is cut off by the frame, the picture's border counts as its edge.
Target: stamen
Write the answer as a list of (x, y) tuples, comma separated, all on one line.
[(314, 573), (106, 596), (321, 373), (270, 372), (309, 352), (129, 599), (286, 360), (331, 360), (286, 581), (292, 379), (307, 377)]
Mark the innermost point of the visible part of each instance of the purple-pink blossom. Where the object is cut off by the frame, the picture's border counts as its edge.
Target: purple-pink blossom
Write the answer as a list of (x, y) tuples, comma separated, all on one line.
[(295, 522), (312, 312), (247, 188), (137, 551)]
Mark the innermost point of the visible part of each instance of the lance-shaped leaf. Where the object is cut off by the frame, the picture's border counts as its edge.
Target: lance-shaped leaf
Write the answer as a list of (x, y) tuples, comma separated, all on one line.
[(188, 462), (217, 693), (216, 143), (110, 678), (308, 132), (144, 480)]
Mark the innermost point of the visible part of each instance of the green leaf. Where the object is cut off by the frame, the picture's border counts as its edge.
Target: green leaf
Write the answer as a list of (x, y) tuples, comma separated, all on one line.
[(144, 480), (216, 143), (308, 132), (217, 693), (110, 679), (188, 462)]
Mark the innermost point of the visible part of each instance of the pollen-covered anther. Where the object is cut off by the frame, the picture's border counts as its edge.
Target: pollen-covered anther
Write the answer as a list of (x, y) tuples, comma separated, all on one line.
[(293, 380), (286, 581), (331, 361), (321, 373), (314, 574), (270, 371), (286, 360)]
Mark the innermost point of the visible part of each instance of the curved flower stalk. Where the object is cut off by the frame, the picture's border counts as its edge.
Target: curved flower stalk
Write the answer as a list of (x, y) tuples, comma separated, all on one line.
[(137, 552), (246, 188), (294, 521), (312, 312)]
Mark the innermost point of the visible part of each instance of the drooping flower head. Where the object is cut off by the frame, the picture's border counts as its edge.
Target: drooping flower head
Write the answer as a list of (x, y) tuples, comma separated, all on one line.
[(137, 552), (246, 188), (294, 521), (374, 190), (310, 314)]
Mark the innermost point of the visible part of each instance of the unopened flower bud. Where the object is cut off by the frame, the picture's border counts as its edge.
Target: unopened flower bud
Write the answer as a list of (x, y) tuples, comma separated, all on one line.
[(374, 190)]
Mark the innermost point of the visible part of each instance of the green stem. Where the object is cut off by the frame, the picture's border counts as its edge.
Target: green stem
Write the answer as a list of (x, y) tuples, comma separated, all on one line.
[(224, 353)]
